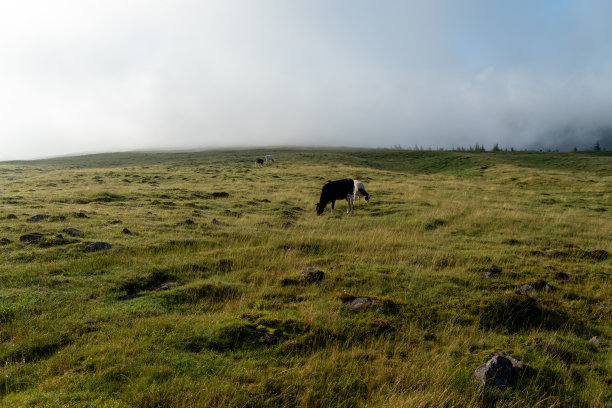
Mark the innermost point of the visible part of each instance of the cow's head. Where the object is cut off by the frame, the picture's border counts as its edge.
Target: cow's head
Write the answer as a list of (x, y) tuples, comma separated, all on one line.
[(320, 208), (367, 198)]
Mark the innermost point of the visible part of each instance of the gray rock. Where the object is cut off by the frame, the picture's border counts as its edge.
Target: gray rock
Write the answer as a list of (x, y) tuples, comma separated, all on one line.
[(491, 271), (73, 232), (526, 288), (360, 302), (97, 246), (595, 341), (31, 238), (38, 217), (499, 371)]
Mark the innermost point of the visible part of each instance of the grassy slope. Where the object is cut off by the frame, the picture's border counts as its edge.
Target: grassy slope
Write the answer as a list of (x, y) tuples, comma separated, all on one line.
[(205, 293)]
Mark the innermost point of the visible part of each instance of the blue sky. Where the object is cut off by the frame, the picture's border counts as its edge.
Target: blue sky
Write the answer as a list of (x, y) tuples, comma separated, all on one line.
[(84, 76)]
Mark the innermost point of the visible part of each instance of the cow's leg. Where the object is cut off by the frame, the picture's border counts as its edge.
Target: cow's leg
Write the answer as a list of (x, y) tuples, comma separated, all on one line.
[(349, 203), (332, 206)]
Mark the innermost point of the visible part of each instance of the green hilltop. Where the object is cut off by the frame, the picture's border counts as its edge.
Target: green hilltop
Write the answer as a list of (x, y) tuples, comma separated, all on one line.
[(223, 288)]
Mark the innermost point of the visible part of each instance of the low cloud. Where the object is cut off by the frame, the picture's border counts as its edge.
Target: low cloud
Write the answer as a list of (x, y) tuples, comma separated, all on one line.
[(81, 76)]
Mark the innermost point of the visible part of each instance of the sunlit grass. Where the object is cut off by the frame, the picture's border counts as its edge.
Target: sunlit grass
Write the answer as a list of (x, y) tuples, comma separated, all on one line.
[(177, 313)]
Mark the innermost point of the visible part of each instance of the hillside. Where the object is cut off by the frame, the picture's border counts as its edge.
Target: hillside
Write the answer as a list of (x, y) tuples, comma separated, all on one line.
[(205, 297)]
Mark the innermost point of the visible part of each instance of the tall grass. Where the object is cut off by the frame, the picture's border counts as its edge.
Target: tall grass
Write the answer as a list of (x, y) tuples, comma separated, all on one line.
[(216, 313)]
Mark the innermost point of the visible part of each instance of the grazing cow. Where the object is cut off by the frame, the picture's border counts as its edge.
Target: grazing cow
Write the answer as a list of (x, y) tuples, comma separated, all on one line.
[(269, 158), (259, 162), (360, 191), (336, 190)]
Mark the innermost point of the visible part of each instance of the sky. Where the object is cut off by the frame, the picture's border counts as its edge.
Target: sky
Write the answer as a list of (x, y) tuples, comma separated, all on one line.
[(80, 76)]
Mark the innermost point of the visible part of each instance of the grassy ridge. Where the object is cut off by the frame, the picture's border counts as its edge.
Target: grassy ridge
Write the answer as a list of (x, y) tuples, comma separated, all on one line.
[(217, 313)]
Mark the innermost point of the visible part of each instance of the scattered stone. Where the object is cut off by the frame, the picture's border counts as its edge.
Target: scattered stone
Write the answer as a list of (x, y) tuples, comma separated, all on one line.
[(114, 222), (264, 223), (5, 241), (484, 167), (595, 341), (220, 194), (313, 276), (360, 302), (81, 215), (287, 224), (491, 271), (538, 285), (31, 238), (526, 288), (126, 231), (11, 217), (215, 221), (550, 268), (60, 236), (97, 246), (499, 371), (73, 232), (561, 276), (38, 217), (189, 222)]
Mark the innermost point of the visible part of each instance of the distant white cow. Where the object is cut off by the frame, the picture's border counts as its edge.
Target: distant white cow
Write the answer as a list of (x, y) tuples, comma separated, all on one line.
[(360, 191), (269, 158)]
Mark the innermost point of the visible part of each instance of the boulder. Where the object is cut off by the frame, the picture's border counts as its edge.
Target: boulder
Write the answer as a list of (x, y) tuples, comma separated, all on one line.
[(73, 232), (126, 231), (360, 302), (189, 222), (31, 238), (97, 246), (491, 271), (38, 217), (499, 371), (595, 341), (313, 276)]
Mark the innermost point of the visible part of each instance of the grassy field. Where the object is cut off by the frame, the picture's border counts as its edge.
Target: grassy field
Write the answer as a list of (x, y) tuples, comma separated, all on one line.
[(217, 311)]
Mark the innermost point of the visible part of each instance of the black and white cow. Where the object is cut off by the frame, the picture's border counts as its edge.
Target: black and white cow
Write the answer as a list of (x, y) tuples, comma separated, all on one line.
[(259, 162), (360, 191), (336, 190)]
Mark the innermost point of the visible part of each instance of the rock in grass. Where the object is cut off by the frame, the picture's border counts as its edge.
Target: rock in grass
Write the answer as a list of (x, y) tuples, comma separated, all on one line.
[(360, 302), (189, 222), (97, 246), (31, 238), (499, 371), (313, 276), (38, 217), (491, 271), (73, 232), (287, 225), (595, 341), (537, 285), (561, 276), (5, 241), (126, 231)]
